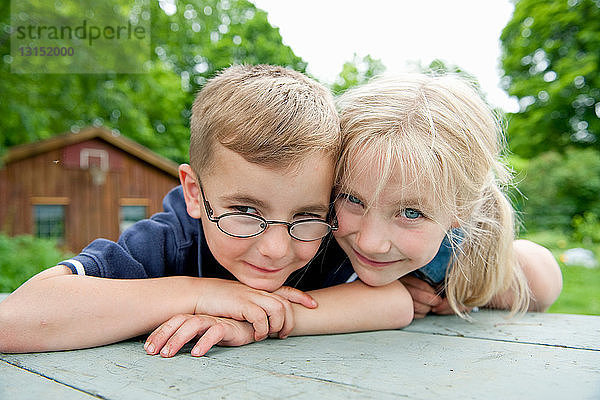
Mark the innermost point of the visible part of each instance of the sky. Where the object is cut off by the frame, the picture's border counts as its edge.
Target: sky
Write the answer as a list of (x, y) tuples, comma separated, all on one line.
[(327, 33)]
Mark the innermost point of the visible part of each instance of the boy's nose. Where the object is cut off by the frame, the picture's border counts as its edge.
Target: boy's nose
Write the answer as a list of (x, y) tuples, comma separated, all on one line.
[(274, 243), (373, 237)]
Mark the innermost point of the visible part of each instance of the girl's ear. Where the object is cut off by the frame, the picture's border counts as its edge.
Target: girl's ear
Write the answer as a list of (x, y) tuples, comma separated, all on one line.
[(191, 191)]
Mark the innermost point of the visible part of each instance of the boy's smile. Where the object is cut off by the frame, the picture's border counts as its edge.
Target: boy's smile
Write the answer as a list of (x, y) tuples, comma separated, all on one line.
[(236, 185)]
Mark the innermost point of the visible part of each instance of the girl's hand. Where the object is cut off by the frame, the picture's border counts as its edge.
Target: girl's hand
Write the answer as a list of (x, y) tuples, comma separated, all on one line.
[(267, 312), (172, 335), (424, 296)]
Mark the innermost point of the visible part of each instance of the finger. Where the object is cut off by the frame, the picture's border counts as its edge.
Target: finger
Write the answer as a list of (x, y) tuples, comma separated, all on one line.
[(258, 317), (421, 308), (191, 328), (425, 297), (419, 316), (417, 283), (211, 337), (275, 308), (443, 308), (159, 337), (289, 321), (296, 296)]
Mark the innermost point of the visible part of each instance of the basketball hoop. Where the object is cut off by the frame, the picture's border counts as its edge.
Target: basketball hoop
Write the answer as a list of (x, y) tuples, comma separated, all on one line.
[(96, 162), (98, 175)]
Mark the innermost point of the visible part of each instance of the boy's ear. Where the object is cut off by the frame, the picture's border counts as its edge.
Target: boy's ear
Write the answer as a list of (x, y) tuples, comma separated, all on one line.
[(191, 193)]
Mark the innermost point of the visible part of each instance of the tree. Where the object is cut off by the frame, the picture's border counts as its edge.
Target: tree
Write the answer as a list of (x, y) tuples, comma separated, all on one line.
[(356, 72), (190, 41), (550, 57)]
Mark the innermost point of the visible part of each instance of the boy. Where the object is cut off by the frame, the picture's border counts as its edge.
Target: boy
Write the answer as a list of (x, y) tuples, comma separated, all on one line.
[(252, 206)]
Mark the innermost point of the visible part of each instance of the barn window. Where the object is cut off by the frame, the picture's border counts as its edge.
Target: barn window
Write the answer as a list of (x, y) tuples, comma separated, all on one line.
[(130, 215), (50, 221)]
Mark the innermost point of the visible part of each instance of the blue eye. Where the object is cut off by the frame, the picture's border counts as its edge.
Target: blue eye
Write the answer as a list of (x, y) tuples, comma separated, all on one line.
[(411, 213), (352, 199)]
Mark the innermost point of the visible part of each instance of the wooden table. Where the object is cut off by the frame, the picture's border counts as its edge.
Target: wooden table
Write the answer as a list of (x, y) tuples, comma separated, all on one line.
[(539, 356)]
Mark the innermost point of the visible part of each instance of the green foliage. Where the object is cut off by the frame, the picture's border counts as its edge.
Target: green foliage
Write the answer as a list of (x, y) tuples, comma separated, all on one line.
[(558, 187), (586, 228), (550, 57), (189, 45), (439, 67), (357, 72), (21, 257)]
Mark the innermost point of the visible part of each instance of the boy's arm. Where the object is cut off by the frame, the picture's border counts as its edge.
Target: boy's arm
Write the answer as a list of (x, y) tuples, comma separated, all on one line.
[(349, 307), (56, 310), (354, 307)]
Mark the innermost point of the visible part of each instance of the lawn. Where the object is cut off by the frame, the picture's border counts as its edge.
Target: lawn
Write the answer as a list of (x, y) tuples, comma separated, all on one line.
[(581, 291), (581, 286)]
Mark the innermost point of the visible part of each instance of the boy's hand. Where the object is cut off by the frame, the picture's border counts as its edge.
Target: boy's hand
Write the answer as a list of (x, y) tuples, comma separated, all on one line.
[(172, 335), (424, 296), (267, 312)]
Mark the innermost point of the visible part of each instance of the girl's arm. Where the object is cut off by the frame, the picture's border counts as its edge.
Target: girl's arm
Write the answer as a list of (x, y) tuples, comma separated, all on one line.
[(543, 277), (538, 264), (353, 307)]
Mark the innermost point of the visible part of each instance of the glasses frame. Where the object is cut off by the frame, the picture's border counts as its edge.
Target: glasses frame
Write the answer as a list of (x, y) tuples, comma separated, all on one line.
[(290, 225)]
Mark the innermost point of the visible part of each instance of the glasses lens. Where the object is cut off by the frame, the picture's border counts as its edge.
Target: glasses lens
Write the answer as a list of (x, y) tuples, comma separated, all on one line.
[(241, 225), (310, 230)]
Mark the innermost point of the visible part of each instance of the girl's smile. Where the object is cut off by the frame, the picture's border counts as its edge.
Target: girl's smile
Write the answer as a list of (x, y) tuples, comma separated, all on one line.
[(388, 235), (373, 263)]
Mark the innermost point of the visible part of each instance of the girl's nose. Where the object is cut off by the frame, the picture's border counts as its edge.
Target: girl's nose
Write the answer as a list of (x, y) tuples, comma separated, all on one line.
[(373, 235)]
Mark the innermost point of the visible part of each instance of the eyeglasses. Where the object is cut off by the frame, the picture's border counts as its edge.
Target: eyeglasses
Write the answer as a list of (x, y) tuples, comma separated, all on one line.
[(246, 225)]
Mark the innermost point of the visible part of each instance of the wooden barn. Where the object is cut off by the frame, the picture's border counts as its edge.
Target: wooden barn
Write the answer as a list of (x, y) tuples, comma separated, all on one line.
[(80, 186)]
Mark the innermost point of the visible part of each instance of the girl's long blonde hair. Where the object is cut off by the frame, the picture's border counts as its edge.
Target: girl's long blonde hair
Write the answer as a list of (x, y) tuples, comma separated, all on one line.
[(443, 135)]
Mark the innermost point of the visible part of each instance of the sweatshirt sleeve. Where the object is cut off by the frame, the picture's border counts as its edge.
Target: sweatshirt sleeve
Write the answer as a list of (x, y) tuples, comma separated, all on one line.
[(163, 245)]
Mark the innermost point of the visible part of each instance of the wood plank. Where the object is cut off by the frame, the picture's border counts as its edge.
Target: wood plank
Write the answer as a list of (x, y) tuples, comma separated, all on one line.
[(566, 330), (385, 364), (123, 371), (17, 383)]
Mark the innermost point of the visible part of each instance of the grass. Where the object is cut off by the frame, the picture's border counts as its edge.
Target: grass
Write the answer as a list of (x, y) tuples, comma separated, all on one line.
[(581, 291), (581, 286)]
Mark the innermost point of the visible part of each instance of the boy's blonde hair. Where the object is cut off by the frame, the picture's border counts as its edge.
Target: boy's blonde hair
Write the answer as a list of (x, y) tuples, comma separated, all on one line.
[(270, 115), (448, 141)]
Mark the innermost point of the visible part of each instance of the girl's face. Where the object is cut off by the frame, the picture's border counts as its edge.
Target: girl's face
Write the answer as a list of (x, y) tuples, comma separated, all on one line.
[(391, 235)]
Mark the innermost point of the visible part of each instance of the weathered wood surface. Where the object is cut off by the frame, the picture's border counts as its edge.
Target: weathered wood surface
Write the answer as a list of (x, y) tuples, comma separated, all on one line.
[(435, 358), (566, 330), (17, 383)]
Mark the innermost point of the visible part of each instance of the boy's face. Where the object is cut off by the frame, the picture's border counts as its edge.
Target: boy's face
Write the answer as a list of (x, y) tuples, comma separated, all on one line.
[(236, 185), (393, 237)]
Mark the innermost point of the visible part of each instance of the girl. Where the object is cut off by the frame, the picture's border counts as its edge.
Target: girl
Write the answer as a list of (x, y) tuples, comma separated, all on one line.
[(421, 177)]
